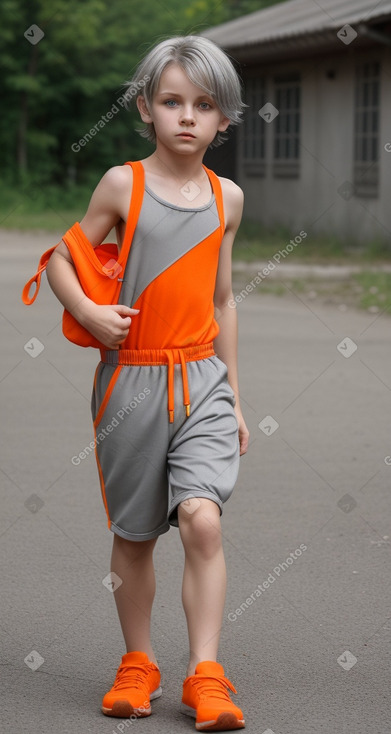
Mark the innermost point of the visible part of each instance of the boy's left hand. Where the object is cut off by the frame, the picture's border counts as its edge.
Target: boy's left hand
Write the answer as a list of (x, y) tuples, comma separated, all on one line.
[(243, 431)]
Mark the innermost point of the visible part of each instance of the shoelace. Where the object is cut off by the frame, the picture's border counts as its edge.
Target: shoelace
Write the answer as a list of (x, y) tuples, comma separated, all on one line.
[(209, 686), (130, 676)]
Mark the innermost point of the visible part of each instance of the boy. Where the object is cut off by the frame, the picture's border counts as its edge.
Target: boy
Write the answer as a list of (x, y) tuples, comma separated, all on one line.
[(172, 332)]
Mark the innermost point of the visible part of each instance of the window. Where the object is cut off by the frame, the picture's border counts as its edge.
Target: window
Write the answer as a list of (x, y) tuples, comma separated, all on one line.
[(286, 162), (366, 130), (254, 128)]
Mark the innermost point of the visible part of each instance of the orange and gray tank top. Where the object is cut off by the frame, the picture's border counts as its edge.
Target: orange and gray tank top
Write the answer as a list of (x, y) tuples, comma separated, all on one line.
[(170, 274)]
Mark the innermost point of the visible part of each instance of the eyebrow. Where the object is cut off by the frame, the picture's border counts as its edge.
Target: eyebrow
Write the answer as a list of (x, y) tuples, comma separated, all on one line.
[(177, 94)]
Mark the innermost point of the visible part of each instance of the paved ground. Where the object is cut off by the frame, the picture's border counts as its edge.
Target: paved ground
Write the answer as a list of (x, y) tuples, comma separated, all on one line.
[(306, 533)]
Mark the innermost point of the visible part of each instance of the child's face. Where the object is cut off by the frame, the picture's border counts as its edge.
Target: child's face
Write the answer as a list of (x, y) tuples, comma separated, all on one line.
[(180, 107)]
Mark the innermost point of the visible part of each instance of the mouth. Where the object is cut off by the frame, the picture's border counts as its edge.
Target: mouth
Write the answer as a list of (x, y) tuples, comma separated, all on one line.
[(185, 135)]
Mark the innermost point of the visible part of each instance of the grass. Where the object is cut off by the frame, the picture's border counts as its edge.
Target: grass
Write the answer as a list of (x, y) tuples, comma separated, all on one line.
[(48, 221), (255, 242), (50, 209), (367, 289), (375, 290), (55, 208)]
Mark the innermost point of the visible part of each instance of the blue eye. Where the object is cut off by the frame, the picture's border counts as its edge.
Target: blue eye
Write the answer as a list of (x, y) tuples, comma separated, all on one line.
[(169, 101)]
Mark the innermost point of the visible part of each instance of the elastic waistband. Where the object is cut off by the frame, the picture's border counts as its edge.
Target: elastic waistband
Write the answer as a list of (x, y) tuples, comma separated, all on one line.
[(156, 356), (167, 357)]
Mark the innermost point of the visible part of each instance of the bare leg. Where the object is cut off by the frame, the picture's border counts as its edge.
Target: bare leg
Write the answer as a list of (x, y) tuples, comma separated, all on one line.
[(132, 561), (204, 577)]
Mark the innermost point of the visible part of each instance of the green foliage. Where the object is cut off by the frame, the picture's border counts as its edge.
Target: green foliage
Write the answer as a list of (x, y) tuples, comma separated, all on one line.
[(255, 241), (375, 290), (209, 14), (53, 92)]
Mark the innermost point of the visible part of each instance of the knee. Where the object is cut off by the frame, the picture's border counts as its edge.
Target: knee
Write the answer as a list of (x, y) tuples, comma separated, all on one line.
[(199, 525)]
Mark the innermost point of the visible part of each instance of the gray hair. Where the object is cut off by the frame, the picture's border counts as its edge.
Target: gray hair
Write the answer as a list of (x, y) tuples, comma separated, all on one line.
[(205, 64)]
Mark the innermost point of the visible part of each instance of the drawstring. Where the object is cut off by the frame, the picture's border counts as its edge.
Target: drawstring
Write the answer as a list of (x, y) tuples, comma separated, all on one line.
[(185, 383), (170, 383), (170, 357)]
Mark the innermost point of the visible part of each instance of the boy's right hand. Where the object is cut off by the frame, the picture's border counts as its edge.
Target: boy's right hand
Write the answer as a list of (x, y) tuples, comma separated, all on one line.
[(108, 324)]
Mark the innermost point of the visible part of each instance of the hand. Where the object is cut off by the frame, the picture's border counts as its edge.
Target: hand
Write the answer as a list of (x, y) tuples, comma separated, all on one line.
[(243, 431), (108, 324)]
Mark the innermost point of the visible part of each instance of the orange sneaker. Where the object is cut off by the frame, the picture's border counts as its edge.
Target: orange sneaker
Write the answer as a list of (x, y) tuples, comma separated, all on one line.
[(206, 698), (136, 684)]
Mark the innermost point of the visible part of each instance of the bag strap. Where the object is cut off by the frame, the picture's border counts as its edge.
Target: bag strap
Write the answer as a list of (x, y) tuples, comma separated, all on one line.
[(136, 200), (26, 298), (218, 192), (80, 246)]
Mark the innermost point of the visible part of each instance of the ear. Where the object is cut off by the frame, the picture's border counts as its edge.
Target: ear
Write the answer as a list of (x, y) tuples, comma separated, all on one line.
[(143, 109), (223, 124)]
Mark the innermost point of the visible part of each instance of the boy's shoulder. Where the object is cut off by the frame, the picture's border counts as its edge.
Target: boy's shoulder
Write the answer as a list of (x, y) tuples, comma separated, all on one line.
[(231, 190), (233, 201), (114, 188), (117, 176)]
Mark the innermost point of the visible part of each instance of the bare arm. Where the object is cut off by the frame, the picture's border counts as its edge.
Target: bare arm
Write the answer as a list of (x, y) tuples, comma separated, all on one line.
[(226, 341), (109, 202)]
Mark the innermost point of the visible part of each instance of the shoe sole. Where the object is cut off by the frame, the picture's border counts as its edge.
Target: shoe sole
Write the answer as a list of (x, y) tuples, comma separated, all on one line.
[(124, 709), (226, 721)]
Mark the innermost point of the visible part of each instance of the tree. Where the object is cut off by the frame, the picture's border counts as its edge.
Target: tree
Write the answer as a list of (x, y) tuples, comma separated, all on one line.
[(62, 67)]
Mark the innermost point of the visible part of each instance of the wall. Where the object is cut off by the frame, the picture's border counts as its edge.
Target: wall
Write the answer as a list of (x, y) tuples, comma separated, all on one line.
[(312, 201)]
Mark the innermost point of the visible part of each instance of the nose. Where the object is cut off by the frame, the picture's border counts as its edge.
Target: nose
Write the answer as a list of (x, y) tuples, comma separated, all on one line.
[(187, 115)]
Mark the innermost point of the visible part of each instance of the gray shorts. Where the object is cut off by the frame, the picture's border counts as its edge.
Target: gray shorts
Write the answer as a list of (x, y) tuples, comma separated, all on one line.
[(147, 465)]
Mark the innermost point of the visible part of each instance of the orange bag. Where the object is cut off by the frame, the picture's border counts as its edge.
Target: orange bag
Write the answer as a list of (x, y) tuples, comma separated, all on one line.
[(99, 269)]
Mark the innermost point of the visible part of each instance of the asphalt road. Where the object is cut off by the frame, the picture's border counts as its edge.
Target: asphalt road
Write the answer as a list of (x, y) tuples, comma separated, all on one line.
[(307, 630)]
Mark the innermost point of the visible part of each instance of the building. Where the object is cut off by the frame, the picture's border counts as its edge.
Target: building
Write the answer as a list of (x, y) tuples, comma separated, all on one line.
[(314, 151)]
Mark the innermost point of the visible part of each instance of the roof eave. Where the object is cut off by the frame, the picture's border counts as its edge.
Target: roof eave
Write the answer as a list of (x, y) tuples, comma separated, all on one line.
[(304, 44), (300, 45)]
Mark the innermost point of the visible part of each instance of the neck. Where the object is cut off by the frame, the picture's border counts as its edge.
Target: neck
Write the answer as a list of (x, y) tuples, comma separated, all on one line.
[(182, 167)]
